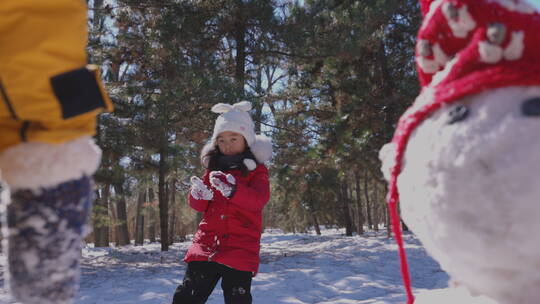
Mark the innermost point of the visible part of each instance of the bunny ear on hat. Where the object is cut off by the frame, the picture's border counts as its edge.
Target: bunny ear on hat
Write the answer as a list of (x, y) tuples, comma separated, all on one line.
[(221, 108), (225, 107), (242, 106)]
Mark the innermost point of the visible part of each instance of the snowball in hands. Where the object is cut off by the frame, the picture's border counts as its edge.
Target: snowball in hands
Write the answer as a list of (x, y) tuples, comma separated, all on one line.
[(199, 191), (224, 183)]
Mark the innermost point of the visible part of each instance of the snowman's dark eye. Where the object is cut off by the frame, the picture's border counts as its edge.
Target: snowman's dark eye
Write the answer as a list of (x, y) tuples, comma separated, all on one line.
[(457, 114), (531, 107)]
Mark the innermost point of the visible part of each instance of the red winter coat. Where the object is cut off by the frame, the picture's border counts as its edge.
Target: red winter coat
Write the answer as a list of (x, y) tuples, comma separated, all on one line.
[(230, 231)]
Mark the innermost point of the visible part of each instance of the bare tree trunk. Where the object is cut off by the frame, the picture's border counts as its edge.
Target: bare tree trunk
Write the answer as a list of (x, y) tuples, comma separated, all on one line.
[(361, 219), (388, 89), (272, 222), (151, 217), (368, 205), (183, 228), (139, 219), (240, 39), (376, 208), (114, 219), (101, 218), (172, 192), (316, 223), (258, 105), (346, 209), (351, 205), (98, 16), (172, 226), (163, 198), (387, 221), (122, 231)]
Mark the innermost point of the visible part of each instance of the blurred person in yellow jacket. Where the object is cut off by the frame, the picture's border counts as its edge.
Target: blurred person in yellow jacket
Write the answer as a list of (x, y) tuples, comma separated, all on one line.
[(49, 100)]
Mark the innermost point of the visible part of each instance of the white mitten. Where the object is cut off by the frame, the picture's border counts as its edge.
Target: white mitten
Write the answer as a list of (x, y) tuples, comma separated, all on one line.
[(224, 183), (199, 190)]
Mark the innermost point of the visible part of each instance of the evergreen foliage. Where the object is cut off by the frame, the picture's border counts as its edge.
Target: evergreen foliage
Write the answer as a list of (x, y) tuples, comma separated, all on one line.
[(327, 78)]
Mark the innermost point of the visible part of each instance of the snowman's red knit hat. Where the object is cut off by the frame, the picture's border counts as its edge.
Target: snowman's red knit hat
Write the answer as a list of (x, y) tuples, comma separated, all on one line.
[(463, 48)]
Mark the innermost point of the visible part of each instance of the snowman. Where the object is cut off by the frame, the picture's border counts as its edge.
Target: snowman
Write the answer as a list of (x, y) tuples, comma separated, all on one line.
[(465, 157)]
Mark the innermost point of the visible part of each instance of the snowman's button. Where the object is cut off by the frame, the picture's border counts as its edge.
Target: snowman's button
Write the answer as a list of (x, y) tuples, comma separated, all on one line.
[(424, 48), (457, 113), (450, 11), (531, 107), (496, 33)]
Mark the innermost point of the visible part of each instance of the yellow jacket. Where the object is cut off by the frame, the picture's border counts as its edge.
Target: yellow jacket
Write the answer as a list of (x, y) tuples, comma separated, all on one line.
[(47, 91)]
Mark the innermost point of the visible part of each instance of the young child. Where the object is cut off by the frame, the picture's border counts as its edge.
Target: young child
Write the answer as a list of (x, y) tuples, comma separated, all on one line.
[(232, 195)]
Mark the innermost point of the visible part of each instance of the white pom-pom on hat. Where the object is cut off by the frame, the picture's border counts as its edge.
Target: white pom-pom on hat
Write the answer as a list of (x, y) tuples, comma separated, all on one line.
[(250, 164), (262, 148)]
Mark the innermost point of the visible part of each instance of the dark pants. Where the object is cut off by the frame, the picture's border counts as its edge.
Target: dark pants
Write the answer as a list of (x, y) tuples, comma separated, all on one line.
[(202, 277)]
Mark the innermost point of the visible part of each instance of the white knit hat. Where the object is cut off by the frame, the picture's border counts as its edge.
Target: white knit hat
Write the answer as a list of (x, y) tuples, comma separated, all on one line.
[(235, 118)]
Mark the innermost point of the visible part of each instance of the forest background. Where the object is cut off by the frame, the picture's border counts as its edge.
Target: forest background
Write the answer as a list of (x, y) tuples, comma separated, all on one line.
[(328, 80)]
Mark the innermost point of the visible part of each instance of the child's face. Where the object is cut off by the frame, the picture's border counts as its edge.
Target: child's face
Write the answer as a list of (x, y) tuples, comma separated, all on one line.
[(231, 143)]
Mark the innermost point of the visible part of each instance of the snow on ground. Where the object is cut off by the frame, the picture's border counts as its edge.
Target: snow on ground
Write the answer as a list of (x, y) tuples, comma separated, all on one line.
[(295, 268)]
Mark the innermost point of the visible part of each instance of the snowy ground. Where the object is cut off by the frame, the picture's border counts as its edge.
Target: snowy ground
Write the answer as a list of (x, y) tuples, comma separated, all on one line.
[(295, 268)]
